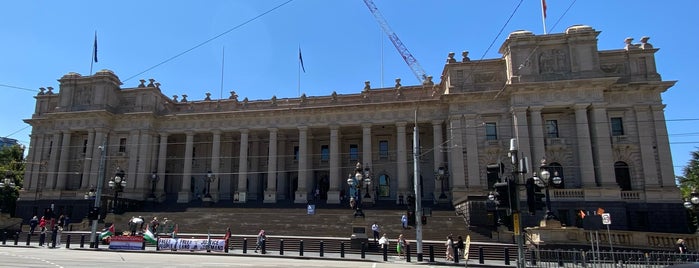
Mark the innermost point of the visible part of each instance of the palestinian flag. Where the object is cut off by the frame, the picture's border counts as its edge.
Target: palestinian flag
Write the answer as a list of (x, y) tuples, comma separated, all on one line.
[(148, 236), (108, 232)]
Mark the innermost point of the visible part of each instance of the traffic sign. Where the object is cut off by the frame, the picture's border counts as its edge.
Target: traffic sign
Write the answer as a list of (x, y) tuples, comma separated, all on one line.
[(606, 218)]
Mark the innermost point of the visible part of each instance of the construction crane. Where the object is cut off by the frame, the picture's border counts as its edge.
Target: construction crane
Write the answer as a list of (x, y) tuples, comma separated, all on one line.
[(407, 57)]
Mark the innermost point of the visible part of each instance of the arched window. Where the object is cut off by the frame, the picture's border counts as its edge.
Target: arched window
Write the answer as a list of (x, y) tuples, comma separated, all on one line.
[(557, 169), (384, 186), (623, 175)]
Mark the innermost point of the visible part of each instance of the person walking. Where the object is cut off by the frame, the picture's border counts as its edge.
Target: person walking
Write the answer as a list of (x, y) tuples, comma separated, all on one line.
[(401, 246), (375, 229), (261, 239), (460, 246), (450, 248), (33, 223), (384, 241), (404, 221)]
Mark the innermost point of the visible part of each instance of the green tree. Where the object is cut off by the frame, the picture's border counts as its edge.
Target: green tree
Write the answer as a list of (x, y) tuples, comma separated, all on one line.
[(12, 171), (689, 183)]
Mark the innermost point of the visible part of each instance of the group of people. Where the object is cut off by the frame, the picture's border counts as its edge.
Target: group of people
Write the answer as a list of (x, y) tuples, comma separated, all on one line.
[(56, 227), (451, 245)]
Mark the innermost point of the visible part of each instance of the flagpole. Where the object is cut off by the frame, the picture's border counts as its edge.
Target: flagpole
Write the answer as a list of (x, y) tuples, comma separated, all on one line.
[(543, 14), (298, 89), (223, 61)]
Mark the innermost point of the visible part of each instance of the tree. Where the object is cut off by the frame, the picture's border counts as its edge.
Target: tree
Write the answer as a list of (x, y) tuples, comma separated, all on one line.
[(12, 168), (688, 183)]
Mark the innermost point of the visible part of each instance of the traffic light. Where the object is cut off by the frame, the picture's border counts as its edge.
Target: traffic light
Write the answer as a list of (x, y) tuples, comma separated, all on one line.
[(504, 194), (93, 214), (535, 198)]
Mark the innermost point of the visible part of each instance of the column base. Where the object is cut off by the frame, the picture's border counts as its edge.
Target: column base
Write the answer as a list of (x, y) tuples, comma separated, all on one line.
[(333, 197), (240, 197), (300, 197), (184, 197), (270, 197)]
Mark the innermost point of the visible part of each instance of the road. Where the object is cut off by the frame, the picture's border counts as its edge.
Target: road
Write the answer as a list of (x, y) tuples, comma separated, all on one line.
[(60, 257)]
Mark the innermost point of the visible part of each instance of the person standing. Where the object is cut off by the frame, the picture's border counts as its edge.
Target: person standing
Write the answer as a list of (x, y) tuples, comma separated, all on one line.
[(261, 239), (33, 223), (450, 248), (681, 246), (384, 241), (460, 246), (404, 221), (375, 229)]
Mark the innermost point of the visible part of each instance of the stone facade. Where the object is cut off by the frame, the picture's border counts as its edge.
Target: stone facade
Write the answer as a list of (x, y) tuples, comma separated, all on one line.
[(596, 115)]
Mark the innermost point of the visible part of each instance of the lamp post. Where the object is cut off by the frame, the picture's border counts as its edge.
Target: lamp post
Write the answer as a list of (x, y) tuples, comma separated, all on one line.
[(90, 194), (153, 182), (441, 175), (545, 181), (355, 186), (209, 178), (118, 183)]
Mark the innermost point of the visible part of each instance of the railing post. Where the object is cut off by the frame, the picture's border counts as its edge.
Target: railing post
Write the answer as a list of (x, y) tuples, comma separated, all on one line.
[(82, 241), (321, 248), (363, 251), (385, 252), (301, 248), (455, 253), (532, 255), (431, 253), (16, 238), (560, 258), (245, 245), (4, 238), (507, 256), (407, 253), (67, 241), (281, 246), (42, 239), (29, 238), (481, 258), (342, 249)]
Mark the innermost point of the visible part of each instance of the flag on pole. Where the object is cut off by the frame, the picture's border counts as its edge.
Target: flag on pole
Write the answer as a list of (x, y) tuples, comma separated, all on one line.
[(543, 7), (301, 60), (228, 234), (108, 232), (94, 52), (174, 232), (582, 214), (148, 236), (600, 211)]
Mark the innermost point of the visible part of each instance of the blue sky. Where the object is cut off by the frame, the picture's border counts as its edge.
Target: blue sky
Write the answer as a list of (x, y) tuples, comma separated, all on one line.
[(342, 46)]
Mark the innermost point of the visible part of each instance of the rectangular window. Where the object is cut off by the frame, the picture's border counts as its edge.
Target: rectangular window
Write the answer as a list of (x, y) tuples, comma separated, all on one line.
[(491, 131), (383, 149), (552, 128), (354, 152), (324, 153), (617, 126), (122, 145), (296, 153)]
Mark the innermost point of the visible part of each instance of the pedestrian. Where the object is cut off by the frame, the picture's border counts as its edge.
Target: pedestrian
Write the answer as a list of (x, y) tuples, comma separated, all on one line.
[(33, 223), (59, 231), (61, 220), (375, 229), (42, 234), (401, 246), (261, 239), (154, 225), (404, 221), (681, 246), (42, 223), (384, 241), (460, 246), (450, 248)]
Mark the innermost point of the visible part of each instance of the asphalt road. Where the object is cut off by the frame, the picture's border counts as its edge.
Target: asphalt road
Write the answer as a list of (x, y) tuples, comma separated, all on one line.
[(60, 257)]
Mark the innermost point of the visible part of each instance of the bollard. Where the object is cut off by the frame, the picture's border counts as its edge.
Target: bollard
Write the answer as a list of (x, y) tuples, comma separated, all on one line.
[(42, 239), (82, 241), (407, 253), (281, 247), (321, 248), (143, 246), (385, 252), (245, 245), (68, 241), (456, 254), (560, 258), (431, 253), (481, 258), (16, 238), (362, 251), (29, 238), (264, 246), (507, 256), (301, 248), (342, 249), (4, 237), (97, 242)]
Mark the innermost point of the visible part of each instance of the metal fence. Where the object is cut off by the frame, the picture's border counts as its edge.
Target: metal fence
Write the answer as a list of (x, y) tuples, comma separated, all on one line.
[(581, 258)]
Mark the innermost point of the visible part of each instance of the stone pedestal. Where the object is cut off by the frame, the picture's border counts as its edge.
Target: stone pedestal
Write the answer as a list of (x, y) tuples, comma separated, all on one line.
[(184, 197), (270, 197)]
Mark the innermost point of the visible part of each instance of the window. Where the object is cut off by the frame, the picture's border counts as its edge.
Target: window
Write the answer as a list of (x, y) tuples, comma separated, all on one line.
[(354, 152), (122, 145), (491, 131), (556, 170), (324, 153), (383, 149), (617, 126), (623, 175), (552, 128), (384, 186), (296, 153)]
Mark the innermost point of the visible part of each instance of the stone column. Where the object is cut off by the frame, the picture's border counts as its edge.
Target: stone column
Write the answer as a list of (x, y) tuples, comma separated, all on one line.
[(537, 134), (145, 149), (667, 174), (100, 140), (334, 191), (603, 145), (52, 168), (438, 155), (282, 177), (473, 181), (34, 157), (132, 153), (87, 162), (271, 191), (402, 161), (368, 162), (519, 119), (185, 194), (242, 190), (215, 164), (457, 177), (645, 139), (63, 163), (226, 176), (585, 162), (162, 166), (301, 193)]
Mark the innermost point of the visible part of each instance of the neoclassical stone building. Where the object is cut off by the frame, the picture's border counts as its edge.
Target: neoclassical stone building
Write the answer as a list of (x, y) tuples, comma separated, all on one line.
[(596, 116)]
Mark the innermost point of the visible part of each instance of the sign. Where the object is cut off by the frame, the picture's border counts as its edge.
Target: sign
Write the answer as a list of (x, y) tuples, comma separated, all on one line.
[(467, 247), (606, 218), (515, 221), (217, 245), (126, 242)]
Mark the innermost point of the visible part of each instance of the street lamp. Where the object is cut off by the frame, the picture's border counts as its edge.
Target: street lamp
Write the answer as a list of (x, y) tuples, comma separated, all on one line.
[(545, 181), (7, 181), (153, 182), (692, 203), (367, 182), (90, 194), (441, 175), (209, 179), (355, 188), (118, 183)]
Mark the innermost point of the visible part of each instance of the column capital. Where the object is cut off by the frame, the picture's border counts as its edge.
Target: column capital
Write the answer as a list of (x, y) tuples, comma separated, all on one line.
[(334, 127), (366, 125), (658, 107), (303, 128), (401, 124), (216, 132), (244, 131), (535, 109), (273, 130), (437, 122), (518, 109), (581, 106), (598, 105)]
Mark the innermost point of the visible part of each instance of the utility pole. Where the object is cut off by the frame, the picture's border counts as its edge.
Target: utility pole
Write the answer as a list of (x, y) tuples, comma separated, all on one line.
[(98, 195), (416, 183), (517, 170)]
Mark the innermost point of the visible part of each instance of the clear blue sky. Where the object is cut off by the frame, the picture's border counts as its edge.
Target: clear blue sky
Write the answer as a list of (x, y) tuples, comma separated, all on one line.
[(342, 46)]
